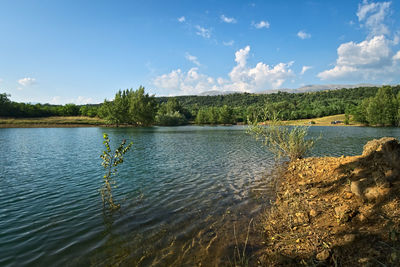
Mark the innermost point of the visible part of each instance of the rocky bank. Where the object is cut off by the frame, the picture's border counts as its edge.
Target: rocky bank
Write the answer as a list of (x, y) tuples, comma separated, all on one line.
[(337, 211)]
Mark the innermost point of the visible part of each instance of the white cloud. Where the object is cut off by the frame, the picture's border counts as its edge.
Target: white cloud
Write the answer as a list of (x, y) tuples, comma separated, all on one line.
[(227, 19), (303, 35), (206, 33), (372, 59), (80, 100), (192, 59), (1, 80), (182, 19), (369, 59), (230, 43), (372, 15), (397, 56), (241, 78), (304, 69), (262, 24), (27, 81)]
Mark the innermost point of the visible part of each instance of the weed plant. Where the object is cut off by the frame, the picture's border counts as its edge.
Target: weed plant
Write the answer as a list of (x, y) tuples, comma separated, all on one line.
[(282, 140), (111, 160)]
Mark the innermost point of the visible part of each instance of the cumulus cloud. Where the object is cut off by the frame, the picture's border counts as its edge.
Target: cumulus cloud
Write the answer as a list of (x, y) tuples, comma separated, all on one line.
[(262, 24), (227, 19), (304, 69), (203, 32), (80, 100), (229, 43), (372, 16), (192, 59), (370, 59), (303, 35), (182, 19), (395, 57), (241, 78), (27, 81)]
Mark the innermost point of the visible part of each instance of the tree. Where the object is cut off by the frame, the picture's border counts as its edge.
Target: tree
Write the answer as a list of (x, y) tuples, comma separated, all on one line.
[(226, 115), (70, 110), (201, 117), (382, 109), (129, 107), (142, 107), (5, 105), (170, 113)]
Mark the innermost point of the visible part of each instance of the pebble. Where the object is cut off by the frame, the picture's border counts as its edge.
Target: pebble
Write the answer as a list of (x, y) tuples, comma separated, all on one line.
[(313, 213), (323, 255)]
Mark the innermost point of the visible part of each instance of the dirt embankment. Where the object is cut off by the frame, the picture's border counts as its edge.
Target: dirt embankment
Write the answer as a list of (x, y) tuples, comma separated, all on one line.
[(338, 211)]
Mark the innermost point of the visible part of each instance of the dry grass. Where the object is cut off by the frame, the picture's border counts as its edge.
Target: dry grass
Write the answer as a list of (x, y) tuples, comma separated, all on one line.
[(72, 121), (323, 121)]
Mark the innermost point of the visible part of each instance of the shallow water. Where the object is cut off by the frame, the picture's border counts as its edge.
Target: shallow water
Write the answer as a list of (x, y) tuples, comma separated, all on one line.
[(182, 191)]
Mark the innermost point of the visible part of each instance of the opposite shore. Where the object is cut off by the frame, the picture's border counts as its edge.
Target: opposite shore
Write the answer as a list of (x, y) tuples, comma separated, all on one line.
[(82, 121)]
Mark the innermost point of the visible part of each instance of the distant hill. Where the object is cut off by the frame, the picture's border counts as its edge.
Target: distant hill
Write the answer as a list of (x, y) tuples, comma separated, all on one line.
[(303, 89), (216, 92)]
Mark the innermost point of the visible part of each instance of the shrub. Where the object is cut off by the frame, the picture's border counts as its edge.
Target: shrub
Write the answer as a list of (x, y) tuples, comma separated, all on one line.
[(171, 119), (110, 162), (281, 140)]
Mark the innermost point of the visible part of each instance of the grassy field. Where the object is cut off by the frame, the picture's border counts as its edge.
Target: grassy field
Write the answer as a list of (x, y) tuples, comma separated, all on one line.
[(323, 121), (79, 121)]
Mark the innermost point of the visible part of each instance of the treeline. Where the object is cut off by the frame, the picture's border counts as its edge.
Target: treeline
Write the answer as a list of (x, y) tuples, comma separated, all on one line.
[(290, 106), (383, 109), (12, 109), (135, 107)]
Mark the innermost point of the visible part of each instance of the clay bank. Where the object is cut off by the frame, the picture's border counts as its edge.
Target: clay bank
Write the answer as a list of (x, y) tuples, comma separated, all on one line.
[(337, 211)]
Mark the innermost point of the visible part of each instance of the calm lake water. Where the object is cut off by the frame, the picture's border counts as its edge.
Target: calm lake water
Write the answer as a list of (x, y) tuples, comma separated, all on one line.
[(183, 190)]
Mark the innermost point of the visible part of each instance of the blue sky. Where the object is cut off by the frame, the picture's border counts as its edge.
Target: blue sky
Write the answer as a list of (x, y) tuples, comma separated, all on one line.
[(84, 51)]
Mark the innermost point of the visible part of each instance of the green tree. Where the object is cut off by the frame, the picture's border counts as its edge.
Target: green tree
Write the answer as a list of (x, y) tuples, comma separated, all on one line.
[(201, 117), (226, 115), (142, 107), (382, 109), (5, 105), (70, 110)]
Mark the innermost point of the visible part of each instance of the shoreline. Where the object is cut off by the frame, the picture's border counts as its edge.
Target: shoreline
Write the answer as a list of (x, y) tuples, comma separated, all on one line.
[(81, 121), (336, 211)]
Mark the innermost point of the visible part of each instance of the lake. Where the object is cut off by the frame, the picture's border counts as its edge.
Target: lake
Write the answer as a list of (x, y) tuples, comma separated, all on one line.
[(183, 191)]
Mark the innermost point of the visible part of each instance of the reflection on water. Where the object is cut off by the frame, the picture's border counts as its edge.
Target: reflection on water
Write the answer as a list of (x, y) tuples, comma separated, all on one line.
[(181, 188)]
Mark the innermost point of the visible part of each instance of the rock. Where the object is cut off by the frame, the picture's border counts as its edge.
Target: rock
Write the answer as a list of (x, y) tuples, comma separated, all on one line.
[(387, 148), (348, 195), (357, 171), (392, 175), (375, 193), (301, 218), (344, 213), (313, 213), (323, 255), (301, 183), (349, 238), (384, 144), (355, 188), (362, 217)]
